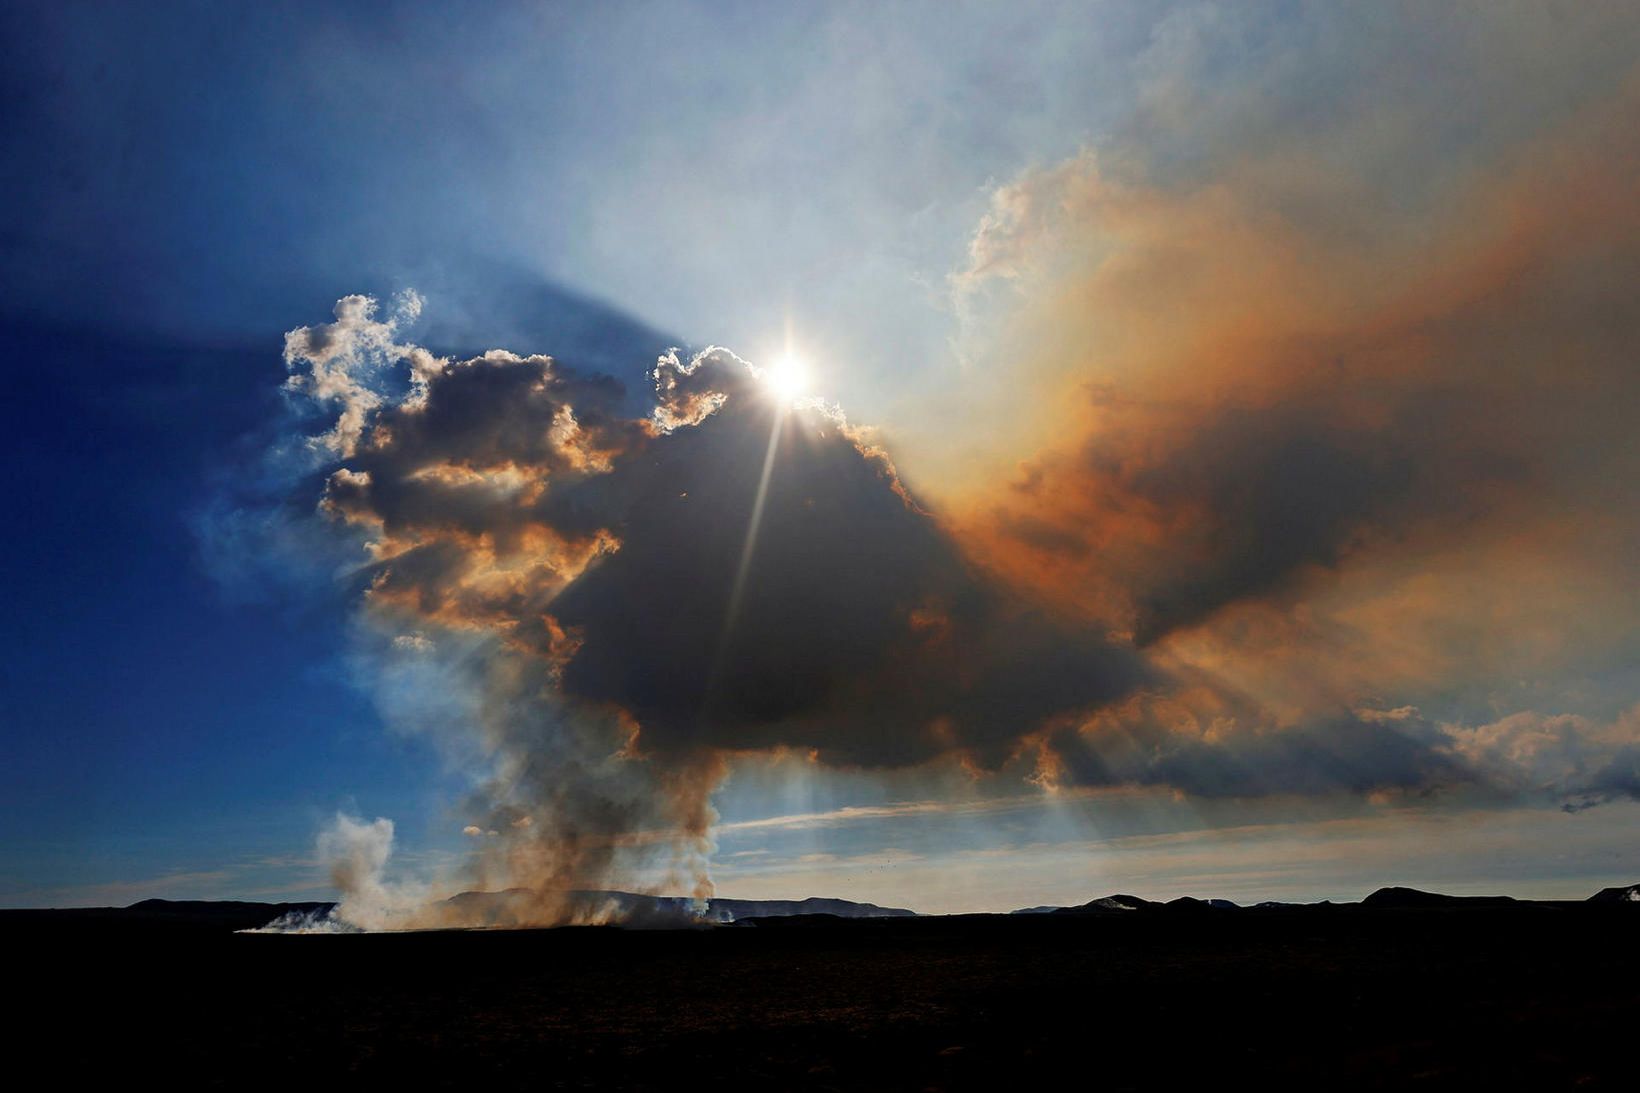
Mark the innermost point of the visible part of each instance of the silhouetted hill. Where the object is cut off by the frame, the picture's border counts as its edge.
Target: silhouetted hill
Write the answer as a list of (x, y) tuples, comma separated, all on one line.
[(1122, 903), (1412, 897), (1117, 904), (224, 916), (740, 909), (215, 908), (513, 907), (1346, 997), (638, 909), (1629, 894), (1191, 903)]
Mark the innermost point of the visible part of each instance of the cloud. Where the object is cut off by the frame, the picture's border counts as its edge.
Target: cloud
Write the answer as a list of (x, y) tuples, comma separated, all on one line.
[(332, 363), (862, 632), (852, 814), (1197, 743), (1307, 415), (1330, 416), (502, 495), (1255, 406), (1577, 760), (613, 604)]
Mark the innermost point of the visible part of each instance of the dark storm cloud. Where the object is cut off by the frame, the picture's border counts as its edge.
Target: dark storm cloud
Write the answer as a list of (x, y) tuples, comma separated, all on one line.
[(1254, 496), (1307, 470), (1258, 406), (861, 631), (1617, 780), (508, 495), (1148, 744), (603, 607)]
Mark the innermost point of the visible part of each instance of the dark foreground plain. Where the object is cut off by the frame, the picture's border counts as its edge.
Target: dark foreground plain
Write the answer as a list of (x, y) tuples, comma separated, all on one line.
[(1528, 996)]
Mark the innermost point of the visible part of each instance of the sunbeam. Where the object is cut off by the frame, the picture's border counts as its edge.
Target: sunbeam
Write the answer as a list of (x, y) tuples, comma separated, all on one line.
[(752, 526)]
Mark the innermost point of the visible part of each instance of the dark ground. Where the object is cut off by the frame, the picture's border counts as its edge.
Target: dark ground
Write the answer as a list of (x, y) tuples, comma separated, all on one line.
[(1522, 997)]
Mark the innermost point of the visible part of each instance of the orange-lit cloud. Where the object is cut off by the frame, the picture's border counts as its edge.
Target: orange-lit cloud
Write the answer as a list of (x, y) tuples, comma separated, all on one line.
[(610, 606), (1311, 470), (1274, 469)]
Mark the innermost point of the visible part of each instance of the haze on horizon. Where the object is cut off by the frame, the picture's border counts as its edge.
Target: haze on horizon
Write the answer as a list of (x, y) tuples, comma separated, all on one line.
[(941, 456)]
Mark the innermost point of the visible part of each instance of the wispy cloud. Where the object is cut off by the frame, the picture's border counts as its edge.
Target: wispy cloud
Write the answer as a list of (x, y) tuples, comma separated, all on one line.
[(851, 814)]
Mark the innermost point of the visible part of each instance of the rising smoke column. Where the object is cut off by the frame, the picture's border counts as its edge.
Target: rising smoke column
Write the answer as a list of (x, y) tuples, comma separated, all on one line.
[(594, 611)]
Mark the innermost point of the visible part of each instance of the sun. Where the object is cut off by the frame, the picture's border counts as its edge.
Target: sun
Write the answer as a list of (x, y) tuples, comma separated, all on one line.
[(788, 377)]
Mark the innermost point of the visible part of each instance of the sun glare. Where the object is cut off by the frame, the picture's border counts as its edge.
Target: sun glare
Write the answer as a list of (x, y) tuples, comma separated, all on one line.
[(788, 377)]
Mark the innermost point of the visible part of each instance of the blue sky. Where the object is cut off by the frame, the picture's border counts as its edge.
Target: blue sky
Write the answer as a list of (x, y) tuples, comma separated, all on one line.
[(186, 182), (967, 217)]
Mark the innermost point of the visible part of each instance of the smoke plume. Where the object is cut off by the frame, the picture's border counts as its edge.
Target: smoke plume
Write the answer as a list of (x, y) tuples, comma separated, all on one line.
[(1292, 458), (1315, 469), (608, 607)]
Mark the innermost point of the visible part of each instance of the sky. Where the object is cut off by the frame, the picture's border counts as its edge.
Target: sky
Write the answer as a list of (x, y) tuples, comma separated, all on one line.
[(958, 456)]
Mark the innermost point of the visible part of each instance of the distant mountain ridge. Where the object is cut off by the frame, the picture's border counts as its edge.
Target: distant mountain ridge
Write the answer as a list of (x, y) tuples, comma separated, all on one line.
[(1121, 903), (1394, 897), (1413, 897), (506, 908), (639, 910), (741, 909), (165, 915)]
